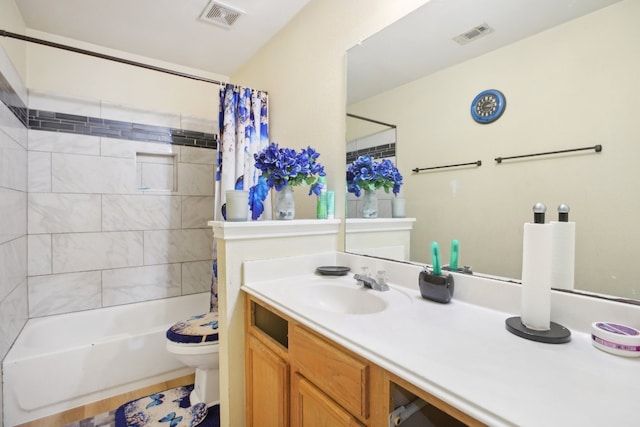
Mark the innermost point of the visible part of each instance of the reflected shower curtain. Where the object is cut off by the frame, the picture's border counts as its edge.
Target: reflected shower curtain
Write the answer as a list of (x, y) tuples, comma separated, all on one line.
[(243, 124)]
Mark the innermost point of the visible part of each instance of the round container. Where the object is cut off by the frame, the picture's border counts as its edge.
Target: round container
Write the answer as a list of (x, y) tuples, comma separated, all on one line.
[(616, 339)]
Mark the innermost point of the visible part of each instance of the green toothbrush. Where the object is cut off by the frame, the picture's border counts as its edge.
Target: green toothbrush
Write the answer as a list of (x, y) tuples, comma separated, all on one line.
[(453, 260), (435, 258)]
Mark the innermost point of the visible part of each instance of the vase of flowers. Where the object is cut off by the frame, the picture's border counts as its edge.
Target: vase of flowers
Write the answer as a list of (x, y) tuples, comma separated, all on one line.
[(367, 175), (284, 203), (283, 169)]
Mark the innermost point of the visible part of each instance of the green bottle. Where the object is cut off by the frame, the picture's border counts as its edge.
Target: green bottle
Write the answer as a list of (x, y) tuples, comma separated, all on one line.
[(321, 208)]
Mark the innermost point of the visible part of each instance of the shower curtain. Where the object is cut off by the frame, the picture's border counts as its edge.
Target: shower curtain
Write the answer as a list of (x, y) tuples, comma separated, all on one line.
[(243, 124)]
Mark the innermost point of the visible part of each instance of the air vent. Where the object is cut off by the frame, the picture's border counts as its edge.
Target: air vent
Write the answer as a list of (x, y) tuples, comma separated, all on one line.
[(473, 34), (220, 14)]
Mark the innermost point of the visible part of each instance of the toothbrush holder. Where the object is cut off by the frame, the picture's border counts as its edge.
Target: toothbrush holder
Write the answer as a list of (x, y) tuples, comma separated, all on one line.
[(436, 287)]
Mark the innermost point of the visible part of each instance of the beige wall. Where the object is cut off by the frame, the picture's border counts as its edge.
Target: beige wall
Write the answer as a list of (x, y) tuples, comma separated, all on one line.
[(303, 68), (573, 86)]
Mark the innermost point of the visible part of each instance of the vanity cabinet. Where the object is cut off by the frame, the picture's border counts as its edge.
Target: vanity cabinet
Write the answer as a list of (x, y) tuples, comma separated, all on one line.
[(266, 367), (299, 378), (267, 386), (329, 382), (311, 407)]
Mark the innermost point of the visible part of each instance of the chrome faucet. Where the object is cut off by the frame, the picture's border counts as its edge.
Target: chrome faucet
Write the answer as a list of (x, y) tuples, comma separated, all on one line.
[(379, 284)]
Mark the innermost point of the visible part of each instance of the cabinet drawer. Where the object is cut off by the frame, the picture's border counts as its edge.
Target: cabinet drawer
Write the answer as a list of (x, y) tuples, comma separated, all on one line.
[(343, 376)]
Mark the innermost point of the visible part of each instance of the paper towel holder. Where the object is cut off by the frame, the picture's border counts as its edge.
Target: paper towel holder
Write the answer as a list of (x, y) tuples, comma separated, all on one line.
[(557, 334)]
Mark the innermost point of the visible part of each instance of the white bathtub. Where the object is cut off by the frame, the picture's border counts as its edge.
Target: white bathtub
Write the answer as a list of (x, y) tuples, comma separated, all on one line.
[(65, 361)]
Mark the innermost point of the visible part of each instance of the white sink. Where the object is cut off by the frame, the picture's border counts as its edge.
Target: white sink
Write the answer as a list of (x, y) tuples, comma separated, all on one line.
[(343, 299)]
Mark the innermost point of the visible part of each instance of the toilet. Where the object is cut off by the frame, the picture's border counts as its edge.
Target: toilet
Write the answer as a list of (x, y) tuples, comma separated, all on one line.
[(194, 342)]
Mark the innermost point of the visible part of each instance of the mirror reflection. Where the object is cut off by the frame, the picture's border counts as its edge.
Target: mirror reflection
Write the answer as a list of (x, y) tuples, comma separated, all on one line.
[(568, 82)]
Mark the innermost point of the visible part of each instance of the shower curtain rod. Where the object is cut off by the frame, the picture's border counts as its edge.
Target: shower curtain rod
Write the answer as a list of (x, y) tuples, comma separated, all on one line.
[(107, 57), (366, 119)]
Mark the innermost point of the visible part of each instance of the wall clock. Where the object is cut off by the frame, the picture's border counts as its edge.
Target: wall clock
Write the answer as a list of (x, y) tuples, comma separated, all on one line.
[(488, 106)]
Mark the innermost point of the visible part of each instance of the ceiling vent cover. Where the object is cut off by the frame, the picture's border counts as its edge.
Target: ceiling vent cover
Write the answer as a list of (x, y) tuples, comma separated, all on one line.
[(473, 34), (220, 14)]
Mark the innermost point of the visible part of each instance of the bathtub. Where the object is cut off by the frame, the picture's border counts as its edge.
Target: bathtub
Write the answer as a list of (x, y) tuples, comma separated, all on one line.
[(65, 361)]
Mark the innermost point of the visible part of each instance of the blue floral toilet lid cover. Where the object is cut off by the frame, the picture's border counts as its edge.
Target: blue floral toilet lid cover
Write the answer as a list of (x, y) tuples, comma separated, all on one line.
[(195, 330)]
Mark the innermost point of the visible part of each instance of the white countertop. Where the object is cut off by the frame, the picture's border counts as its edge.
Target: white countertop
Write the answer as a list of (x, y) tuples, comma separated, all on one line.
[(462, 353)]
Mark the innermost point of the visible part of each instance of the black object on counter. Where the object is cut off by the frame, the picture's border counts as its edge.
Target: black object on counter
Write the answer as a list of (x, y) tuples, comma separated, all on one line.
[(333, 270), (434, 287)]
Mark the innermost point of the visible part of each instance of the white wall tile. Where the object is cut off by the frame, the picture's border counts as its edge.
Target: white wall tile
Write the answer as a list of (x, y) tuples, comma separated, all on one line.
[(127, 285), (126, 113), (195, 179), (96, 251), (381, 138), (196, 277), (123, 148), (13, 315), (12, 127), (39, 179), (48, 101), (144, 212), (59, 142), (13, 164), (156, 176), (64, 293), (198, 155), (13, 265), (73, 173), (197, 211), (354, 204), (13, 214), (168, 246), (63, 213), (199, 124), (39, 254)]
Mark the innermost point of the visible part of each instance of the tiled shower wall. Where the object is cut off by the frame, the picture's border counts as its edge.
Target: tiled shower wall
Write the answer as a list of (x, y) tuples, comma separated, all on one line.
[(13, 207), (110, 220), (100, 204)]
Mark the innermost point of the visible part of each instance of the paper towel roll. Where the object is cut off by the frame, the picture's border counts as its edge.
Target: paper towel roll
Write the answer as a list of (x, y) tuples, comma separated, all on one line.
[(563, 254), (536, 277)]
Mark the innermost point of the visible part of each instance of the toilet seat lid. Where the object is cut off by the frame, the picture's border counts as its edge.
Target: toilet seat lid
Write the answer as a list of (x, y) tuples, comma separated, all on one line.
[(197, 329)]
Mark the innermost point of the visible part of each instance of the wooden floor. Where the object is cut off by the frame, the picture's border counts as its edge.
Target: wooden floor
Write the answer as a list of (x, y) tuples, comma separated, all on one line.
[(106, 405)]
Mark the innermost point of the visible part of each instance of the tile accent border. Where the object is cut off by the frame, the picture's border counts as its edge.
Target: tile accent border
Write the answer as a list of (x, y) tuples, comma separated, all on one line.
[(378, 152), (10, 98), (71, 123)]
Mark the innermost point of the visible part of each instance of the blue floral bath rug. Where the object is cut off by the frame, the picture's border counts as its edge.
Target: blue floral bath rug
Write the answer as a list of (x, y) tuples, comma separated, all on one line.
[(170, 408)]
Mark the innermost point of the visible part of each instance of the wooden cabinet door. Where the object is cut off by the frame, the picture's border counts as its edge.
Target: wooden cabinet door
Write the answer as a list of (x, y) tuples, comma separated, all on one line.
[(267, 386), (312, 408)]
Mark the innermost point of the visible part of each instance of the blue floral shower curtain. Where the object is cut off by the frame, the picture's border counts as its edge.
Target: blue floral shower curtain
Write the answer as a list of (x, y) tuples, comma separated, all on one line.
[(244, 130)]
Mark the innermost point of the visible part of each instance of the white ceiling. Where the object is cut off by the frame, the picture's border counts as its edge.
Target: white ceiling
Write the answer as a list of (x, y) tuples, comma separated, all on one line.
[(421, 43), (417, 45), (168, 30)]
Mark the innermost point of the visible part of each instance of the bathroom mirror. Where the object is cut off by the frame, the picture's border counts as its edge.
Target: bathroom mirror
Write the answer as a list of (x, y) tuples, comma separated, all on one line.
[(570, 78)]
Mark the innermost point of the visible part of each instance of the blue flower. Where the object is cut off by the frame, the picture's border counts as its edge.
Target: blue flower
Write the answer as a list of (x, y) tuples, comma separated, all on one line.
[(366, 174), (257, 194), (281, 167)]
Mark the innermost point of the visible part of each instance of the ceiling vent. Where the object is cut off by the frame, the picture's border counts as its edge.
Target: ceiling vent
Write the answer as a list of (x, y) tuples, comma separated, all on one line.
[(220, 14), (473, 34)]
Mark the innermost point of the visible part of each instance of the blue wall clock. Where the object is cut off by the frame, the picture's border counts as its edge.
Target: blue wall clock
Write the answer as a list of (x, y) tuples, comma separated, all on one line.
[(488, 106)]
